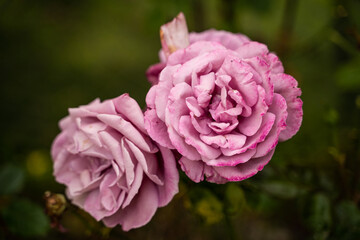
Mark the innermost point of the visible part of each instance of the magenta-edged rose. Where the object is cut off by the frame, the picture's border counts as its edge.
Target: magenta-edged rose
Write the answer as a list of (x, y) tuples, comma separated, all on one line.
[(110, 166), (223, 102)]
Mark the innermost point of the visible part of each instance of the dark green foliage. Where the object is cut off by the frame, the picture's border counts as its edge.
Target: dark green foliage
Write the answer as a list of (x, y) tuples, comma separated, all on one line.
[(11, 179), (25, 218)]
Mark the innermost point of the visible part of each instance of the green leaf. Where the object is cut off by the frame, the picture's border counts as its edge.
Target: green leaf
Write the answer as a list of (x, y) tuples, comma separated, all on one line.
[(348, 219), (312, 17), (26, 219), (235, 199), (348, 76), (354, 8), (206, 205), (282, 189), (319, 218), (11, 179)]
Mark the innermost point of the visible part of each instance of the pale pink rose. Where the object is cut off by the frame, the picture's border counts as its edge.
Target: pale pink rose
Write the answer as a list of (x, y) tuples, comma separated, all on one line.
[(110, 166), (223, 102)]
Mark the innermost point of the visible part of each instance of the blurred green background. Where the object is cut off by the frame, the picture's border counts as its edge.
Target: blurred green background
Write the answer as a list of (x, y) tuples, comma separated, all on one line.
[(60, 54)]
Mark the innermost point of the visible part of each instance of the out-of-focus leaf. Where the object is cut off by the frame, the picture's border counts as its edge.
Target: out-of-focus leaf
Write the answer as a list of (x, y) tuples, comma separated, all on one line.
[(265, 204), (259, 6), (235, 199), (348, 219), (25, 218), (282, 189), (11, 179), (354, 9), (331, 116), (319, 215), (37, 163), (348, 76), (312, 16), (357, 101), (206, 205)]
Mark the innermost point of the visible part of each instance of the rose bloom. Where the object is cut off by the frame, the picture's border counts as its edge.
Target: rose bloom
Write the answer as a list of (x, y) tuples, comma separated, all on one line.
[(110, 166), (223, 102)]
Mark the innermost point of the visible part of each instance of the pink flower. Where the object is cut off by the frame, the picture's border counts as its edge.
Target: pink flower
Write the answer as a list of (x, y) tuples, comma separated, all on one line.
[(110, 166), (223, 102)]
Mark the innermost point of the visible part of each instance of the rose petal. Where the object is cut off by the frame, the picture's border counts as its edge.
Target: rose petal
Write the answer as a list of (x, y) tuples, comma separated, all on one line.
[(251, 49), (174, 35), (193, 106), (157, 129), (93, 109), (250, 125), (163, 90), (231, 160), (171, 177), (139, 212), (192, 138), (183, 148), (150, 97), (275, 64), (129, 108), (287, 86), (259, 136), (113, 145), (135, 186), (177, 106), (128, 130), (193, 169), (128, 164), (242, 78), (244, 170), (213, 176), (196, 49), (153, 72), (201, 124), (206, 85), (147, 161), (278, 108), (229, 40)]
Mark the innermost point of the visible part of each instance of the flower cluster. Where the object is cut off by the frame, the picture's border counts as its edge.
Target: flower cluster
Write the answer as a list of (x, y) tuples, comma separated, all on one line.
[(218, 99)]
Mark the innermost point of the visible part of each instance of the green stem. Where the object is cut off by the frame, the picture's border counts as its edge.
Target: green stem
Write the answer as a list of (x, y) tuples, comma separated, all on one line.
[(198, 14), (287, 26), (230, 226)]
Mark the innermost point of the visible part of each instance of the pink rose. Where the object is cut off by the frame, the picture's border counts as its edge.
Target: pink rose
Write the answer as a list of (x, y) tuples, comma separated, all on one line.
[(223, 102), (110, 166)]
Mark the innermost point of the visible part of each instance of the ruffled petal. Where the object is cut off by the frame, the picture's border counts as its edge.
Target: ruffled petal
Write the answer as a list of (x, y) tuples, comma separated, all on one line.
[(229, 40), (193, 169), (259, 136), (252, 49), (129, 108), (278, 108), (170, 176), (231, 160), (244, 170), (139, 212), (163, 90), (157, 129), (286, 86), (192, 138), (153, 72), (250, 125), (183, 148), (129, 131)]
